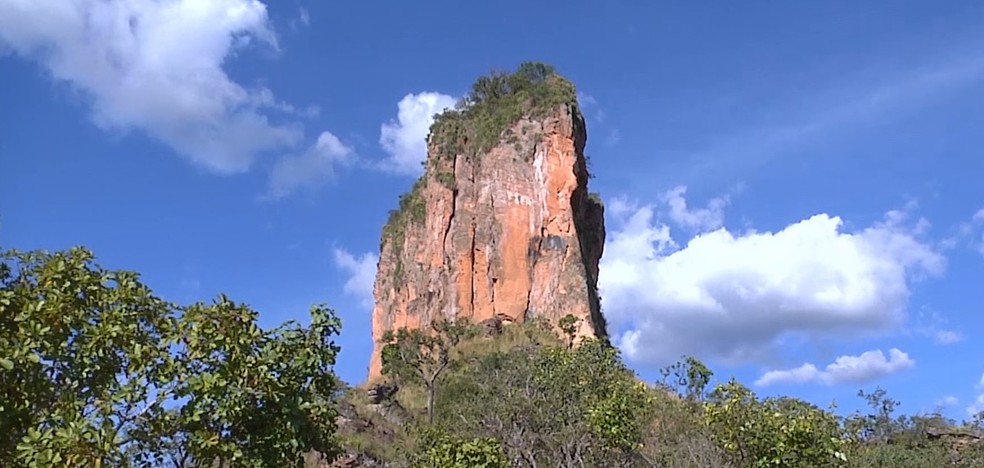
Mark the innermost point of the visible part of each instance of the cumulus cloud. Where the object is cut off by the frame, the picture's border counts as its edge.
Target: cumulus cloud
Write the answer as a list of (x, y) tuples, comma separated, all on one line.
[(310, 169), (156, 66), (736, 295), (405, 139), (701, 219), (362, 274), (869, 366)]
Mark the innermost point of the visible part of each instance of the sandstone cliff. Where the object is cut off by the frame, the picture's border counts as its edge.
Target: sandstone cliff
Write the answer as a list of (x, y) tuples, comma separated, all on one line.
[(501, 225)]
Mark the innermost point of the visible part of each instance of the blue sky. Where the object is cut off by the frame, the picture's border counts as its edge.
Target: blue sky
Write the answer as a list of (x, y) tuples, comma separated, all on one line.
[(793, 190)]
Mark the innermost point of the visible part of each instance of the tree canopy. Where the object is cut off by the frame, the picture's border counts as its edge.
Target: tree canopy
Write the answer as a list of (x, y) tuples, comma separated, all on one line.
[(95, 370)]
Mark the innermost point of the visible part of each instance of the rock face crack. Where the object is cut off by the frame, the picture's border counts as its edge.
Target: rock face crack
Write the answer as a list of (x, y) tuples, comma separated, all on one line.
[(471, 267), (454, 207), (536, 256), (489, 274)]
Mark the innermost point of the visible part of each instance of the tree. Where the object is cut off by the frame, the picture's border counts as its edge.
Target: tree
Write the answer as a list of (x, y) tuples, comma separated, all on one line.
[(880, 425), (414, 357), (549, 405), (568, 325), (690, 378), (97, 370), (774, 432)]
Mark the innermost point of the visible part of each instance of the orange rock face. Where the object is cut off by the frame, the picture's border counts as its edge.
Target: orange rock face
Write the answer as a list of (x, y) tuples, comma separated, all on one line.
[(514, 235)]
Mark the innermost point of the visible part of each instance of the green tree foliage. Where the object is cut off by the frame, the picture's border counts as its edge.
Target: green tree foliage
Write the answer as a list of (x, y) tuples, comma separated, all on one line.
[(882, 439), (549, 405), (497, 101), (95, 370), (772, 432), (412, 356), (688, 377), (440, 450), (568, 325), (528, 398)]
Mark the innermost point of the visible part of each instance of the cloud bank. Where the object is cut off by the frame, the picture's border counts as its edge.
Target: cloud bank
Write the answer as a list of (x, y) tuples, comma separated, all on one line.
[(737, 295)]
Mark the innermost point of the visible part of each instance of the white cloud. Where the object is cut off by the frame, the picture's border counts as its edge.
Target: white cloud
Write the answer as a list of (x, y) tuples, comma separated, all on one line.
[(969, 233), (156, 66), (701, 219), (935, 326), (869, 366), (945, 337), (362, 274), (964, 230), (948, 400), (303, 17), (405, 139), (978, 405), (735, 295), (310, 169)]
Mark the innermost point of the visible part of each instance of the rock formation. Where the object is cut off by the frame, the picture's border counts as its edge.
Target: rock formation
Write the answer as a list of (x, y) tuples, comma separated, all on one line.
[(501, 225)]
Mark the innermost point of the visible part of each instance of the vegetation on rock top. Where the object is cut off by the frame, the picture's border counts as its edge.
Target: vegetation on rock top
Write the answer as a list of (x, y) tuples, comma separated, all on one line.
[(496, 102)]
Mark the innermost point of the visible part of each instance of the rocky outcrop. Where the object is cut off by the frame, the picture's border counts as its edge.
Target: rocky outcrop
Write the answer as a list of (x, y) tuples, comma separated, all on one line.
[(501, 225), (958, 439), (381, 401)]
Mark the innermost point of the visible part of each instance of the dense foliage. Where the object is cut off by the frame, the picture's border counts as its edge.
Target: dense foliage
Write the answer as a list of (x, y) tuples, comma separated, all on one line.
[(529, 398), (496, 102), (95, 370)]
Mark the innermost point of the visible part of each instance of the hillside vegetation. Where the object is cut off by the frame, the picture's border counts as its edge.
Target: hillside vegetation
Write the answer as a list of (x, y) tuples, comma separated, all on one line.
[(520, 396), (96, 370)]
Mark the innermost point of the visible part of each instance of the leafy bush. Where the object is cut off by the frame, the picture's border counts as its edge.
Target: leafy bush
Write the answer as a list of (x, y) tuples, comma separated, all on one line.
[(440, 450)]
